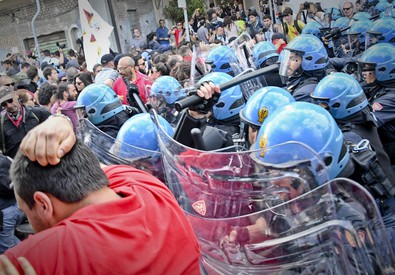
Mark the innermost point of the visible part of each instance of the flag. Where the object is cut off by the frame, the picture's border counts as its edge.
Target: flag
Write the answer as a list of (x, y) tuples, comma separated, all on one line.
[(95, 33)]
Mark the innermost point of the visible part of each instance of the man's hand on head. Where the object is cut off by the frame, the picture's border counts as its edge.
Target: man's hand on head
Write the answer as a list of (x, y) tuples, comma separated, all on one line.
[(48, 142)]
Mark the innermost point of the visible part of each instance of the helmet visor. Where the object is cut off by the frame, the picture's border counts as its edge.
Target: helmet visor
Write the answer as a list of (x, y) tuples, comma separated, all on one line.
[(291, 64), (158, 103), (367, 72), (81, 113), (372, 39), (353, 41)]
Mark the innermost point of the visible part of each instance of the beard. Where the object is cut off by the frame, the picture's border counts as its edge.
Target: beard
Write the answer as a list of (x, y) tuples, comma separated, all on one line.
[(142, 71)]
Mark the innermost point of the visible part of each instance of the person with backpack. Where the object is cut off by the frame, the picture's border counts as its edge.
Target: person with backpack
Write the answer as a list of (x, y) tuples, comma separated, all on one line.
[(10, 215), (16, 120), (292, 27)]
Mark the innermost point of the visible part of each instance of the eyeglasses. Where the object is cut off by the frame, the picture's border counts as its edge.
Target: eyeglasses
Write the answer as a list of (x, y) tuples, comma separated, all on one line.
[(141, 64), (4, 104), (10, 84), (346, 9), (122, 69)]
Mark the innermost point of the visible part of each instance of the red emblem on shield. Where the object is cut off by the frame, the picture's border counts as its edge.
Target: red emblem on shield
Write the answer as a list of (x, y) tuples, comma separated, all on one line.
[(200, 207), (377, 106)]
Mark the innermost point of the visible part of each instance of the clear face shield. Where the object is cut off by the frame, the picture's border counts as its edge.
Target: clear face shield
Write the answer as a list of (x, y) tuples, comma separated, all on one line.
[(291, 65), (81, 113), (198, 67), (353, 41), (321, 101), (367, 72), (372, 39)]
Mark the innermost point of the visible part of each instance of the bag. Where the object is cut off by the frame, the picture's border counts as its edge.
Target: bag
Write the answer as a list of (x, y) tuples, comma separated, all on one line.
[(5, 189)]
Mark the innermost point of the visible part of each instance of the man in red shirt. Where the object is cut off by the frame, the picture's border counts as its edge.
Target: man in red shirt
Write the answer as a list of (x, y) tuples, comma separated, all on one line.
[(115, 220), (126, 67)]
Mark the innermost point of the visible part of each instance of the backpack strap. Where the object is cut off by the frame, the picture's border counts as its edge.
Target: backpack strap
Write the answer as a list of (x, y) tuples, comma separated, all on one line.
[(3, 149), (296, 24), (33, 114)]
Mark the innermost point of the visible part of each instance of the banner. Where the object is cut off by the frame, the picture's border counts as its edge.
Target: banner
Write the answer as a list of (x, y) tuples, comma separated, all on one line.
[(95, 33)]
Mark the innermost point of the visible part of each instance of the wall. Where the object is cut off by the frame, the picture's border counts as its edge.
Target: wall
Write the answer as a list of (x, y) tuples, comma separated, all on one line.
[(54, 17), (129, 14)]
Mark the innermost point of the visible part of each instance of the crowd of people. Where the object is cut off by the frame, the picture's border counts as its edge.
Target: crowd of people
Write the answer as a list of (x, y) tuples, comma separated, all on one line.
[(323, 78)]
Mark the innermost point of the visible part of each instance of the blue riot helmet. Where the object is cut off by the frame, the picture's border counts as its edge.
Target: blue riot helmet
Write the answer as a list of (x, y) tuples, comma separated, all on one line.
[(333, 13), (357, 34), (388, 13), (381, 31), (164, 92), (368, 5), (222, 59), (313, 28), (379, 58), (263, 103), (361, 16), (340, 94), (137, 136), (305, 54), (98, 102), (382, 6), (341, 23), (231, 100), (169, 88), (264, 54), (306, 123)]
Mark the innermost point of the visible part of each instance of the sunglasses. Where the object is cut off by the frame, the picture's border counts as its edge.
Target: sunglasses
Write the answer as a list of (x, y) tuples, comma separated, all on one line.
[(10, 84), (346, 9), (78, 83), (63, 80), (4, 104)]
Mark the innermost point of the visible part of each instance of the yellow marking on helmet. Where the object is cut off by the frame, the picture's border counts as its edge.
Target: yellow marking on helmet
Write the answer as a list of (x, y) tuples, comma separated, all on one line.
[(262, 114)]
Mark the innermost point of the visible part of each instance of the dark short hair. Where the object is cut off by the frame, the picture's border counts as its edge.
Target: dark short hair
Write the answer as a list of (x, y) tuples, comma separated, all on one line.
[(48, 71), (25, 65), (7, 61), (162, 68), (252, 13), (86, 78), (76, 176), (62, 87), (45, 93), (32, 72), (287, 11), (266, 16), (71, 52)]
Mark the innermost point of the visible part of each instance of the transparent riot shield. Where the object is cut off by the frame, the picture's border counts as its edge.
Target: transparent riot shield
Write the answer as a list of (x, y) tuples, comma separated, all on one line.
[(110, 152), (242, 47), (275, 212), (198, 67)]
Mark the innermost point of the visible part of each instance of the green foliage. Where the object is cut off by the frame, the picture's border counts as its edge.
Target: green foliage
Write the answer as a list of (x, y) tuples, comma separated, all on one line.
[(172, 11)]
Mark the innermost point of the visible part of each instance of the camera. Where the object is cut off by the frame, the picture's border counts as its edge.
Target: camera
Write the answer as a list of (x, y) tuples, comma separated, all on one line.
[(306, 5), (61, 46)]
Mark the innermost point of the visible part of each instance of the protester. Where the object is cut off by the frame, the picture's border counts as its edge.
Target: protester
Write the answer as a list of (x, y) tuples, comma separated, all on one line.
[(117, 210)]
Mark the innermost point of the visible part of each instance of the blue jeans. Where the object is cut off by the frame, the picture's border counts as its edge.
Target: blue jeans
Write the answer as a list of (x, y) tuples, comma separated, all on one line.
[(12, 217)]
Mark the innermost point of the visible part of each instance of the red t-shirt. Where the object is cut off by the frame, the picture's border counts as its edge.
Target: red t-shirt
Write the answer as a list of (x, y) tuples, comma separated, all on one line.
[(145, 232), (142, 81)]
